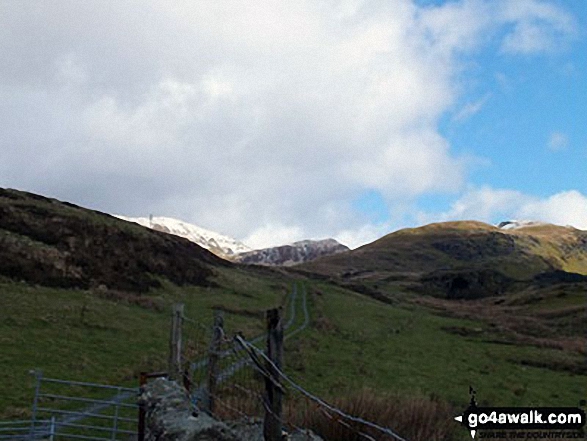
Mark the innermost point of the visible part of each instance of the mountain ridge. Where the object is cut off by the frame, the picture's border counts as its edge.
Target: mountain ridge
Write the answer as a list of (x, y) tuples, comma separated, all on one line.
[(219, 244), (236, 251), (458, 258), (292, 254)]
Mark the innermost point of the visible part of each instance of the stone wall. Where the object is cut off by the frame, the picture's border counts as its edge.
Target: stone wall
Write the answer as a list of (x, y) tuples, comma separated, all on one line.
[(170, 416)]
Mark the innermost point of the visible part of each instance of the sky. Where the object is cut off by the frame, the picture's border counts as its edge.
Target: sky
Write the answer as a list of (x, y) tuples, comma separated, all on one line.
[(279, 121)]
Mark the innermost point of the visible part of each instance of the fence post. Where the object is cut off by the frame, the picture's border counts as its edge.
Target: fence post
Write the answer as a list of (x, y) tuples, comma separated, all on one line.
[(141, 428), (116, 411), (217, 334), (175, 343), (38, 378), (273, 410), (52, 429)]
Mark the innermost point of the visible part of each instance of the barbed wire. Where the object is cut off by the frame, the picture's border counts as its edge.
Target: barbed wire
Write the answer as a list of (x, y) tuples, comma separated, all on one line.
[(315, 398), (284, 421), (257, 363), (254, 357), (259, 367), (203, 361), (263, 400)]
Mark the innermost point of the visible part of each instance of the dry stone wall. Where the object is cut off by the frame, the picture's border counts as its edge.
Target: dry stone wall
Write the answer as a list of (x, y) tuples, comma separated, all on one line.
[(171, 416)]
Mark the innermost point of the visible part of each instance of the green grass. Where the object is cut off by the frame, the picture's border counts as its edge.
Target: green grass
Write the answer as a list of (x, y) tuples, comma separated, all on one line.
[(353, 343), (560, 300), (78, 335), (46, 329), (399, 349)]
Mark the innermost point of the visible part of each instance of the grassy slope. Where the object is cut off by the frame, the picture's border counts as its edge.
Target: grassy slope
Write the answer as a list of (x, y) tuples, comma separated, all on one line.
[(79, 335), (52, 243), (434, 348), (430, 258), (362, 342), (353, 342), (464, 244)]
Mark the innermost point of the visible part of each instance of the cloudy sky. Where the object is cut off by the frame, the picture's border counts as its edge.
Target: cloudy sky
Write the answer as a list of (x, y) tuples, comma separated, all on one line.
[(273, 121)]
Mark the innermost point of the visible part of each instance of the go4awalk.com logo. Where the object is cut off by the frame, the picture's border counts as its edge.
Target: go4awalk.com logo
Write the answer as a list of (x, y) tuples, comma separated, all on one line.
[(522, 422)]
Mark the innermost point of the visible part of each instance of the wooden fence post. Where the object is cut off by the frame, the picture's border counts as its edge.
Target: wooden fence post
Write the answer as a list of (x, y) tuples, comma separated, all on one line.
[(273, 412), (175, 364), (217, 334)]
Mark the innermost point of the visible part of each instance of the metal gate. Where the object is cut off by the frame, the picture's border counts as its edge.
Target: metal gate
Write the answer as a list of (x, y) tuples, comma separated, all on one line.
[(77, 410)]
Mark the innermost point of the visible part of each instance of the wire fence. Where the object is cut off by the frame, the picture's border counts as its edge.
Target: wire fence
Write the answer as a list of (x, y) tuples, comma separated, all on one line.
[(231, 378), (356, 424), (235, 385), (224, 388), (197, 350)]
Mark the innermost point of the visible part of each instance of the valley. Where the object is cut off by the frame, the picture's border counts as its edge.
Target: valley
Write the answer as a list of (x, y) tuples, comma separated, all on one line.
[(87, 297)]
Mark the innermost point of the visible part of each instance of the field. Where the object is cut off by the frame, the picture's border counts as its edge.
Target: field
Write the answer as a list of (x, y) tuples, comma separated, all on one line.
[(411, 348), (93, 336)]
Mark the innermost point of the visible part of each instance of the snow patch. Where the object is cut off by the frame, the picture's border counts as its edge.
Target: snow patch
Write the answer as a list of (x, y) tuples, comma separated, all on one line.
[(515, 224), (219, 244)]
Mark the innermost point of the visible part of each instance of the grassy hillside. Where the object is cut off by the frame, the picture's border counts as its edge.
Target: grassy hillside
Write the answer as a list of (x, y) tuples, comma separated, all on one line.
[(96, 336), (52, 243), (356, 342), (353, 343), (78, 308), (87, 296), (458, 259)]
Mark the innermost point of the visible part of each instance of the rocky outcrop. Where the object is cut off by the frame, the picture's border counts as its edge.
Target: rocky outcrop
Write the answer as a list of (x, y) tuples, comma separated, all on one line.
[(466, 284)]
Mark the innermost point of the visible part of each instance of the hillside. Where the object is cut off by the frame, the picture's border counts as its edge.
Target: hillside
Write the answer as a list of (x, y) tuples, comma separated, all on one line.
[(85, 296), (51, 243), (459, 259)]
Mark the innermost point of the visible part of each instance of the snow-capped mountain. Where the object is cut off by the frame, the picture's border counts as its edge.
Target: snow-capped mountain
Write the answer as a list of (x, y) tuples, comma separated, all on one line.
[(297, 252), (232, 249), (217, 243)]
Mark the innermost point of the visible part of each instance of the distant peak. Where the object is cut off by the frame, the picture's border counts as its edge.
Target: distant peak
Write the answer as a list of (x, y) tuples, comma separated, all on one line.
[(329, 241), (515, 224), (219, 244), (294, 253)]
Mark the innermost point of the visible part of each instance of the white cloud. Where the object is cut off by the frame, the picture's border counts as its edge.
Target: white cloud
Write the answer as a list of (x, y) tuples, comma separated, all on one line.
[(494, 205), (565, 208), (537, 26), (365, 234), (470, 109), (484, 204), (558, 141), (270, 235), (260, 119)]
